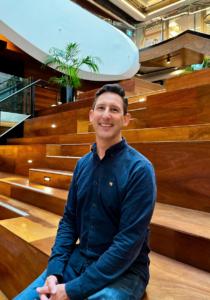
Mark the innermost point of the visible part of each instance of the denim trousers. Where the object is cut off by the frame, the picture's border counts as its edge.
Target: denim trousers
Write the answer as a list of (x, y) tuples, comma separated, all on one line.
[(128, 286)]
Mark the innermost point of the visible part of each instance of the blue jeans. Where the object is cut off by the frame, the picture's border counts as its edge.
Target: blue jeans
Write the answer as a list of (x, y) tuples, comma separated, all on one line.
[(128, 286)]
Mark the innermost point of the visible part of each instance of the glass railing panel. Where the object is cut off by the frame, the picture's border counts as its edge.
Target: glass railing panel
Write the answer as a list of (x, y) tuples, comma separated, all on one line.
[(14, 109), (12, 85)]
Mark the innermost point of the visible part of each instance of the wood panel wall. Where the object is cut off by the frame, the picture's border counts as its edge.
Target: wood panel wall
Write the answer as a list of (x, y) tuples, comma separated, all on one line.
[(189, 80)]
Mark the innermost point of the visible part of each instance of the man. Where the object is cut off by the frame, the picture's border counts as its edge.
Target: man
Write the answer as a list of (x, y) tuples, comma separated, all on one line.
[(110, 204)]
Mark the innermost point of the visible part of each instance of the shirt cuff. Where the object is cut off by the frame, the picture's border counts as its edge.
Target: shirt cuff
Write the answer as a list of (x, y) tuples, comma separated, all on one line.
[(74, 290), (55, 268)]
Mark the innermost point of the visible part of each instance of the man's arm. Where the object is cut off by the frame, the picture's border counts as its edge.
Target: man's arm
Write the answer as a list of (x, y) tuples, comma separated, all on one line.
[(136, 212), (67, 234)]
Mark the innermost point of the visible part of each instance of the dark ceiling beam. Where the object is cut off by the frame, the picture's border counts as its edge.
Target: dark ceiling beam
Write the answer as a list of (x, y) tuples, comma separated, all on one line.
[(93, 9), (108, 6)]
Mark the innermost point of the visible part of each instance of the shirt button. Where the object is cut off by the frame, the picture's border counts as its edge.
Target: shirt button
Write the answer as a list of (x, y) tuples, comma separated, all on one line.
[(112, 154), (89, 249), (92, 227), (96, 183), (94, 205)]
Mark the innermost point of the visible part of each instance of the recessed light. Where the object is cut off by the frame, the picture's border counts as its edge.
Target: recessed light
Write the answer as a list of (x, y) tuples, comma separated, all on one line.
[(47, 178), (30, 161), (142, 100), (53, 105), (53, 126), (176, 68), (168, 60)]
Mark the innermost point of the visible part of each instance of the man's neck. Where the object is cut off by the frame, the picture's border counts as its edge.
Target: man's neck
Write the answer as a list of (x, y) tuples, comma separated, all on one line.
[(103, 145)]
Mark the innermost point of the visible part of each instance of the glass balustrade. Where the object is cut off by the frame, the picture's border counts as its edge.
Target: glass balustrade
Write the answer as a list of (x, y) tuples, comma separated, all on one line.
[(15, 108)]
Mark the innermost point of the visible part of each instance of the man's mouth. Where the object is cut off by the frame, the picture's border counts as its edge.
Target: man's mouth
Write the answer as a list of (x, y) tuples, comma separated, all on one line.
[(105, 125)]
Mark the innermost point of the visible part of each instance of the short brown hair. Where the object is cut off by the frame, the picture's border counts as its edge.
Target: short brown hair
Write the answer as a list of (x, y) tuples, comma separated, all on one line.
[(116, 89)]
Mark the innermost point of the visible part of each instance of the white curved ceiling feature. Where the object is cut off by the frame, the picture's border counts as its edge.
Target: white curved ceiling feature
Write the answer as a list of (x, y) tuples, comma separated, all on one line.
[(37, 26)]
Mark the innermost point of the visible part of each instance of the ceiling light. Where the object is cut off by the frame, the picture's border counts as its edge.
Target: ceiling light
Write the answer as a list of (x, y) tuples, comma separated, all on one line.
[(184, 13), (47, 178), (53, 105), (173, 23), (134, 9), (176, 68), (155, 11), (30, 161), (168, 60), (53, 126), (142, 100), (173, 33)]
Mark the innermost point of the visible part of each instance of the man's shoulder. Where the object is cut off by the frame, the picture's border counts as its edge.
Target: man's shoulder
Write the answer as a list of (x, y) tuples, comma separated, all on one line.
[(84, 159), (136, 157)]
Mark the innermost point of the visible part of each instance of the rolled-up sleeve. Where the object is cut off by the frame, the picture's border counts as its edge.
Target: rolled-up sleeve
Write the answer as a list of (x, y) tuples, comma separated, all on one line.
[(66, 235), (136, 212)]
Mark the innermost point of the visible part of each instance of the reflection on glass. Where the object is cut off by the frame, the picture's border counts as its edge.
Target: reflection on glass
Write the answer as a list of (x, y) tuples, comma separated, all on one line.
[(14, 107)]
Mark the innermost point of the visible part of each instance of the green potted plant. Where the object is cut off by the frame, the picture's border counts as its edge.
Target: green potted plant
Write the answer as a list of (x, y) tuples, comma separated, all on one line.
[(66, 62)]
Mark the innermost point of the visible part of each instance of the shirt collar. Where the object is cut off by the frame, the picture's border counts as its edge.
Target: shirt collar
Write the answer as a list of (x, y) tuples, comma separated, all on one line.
[(113, 149)]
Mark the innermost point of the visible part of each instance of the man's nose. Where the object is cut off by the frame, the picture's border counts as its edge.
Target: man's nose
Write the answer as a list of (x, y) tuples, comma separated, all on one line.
[(106, 114)]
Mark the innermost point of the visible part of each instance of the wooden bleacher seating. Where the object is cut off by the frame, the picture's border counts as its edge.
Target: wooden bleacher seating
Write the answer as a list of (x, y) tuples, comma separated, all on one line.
[(171, 129)]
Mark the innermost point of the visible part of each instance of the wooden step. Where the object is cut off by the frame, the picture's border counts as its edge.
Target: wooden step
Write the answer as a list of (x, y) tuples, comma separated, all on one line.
[(50, 199), (194, 79), (173, 280), (137, 105), (133, 124), (65, 107), (61, 123), (54, 178), (182, 172), (62, 162), (68, 149), (143, 96), (75, 149), (175, 133), (17, 251), (181, 234)]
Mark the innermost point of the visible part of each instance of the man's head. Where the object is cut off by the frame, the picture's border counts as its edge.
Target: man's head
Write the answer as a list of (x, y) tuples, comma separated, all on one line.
[(116, 89), (109, 113)]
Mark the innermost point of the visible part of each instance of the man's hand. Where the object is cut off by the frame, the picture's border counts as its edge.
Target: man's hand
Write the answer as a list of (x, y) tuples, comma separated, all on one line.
[(49, 288), (60, 294)]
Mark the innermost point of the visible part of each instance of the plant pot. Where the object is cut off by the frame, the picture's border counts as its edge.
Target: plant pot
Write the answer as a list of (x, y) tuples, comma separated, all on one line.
[(67, 94)]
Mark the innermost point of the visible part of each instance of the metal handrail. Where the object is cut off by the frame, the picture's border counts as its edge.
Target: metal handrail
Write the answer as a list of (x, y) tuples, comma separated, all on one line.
[(32, 86)]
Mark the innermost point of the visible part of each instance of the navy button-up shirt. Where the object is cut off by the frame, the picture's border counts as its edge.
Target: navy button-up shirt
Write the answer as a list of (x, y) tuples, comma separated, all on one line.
[(109, 207)]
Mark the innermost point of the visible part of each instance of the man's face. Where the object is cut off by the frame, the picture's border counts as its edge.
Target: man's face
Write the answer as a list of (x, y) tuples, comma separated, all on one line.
[(108, 116)]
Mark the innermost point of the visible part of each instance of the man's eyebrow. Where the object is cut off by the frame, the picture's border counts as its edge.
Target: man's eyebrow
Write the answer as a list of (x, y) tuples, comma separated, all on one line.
[(112, 105)]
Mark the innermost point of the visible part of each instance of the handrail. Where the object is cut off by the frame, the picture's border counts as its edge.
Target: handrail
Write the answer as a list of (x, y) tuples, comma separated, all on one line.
[(32, 86), (26, 87)]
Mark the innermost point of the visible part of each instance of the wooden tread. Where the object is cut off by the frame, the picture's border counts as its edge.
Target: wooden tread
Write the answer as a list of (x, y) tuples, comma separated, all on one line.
[(67, 163), (182, 234), (172, 280)]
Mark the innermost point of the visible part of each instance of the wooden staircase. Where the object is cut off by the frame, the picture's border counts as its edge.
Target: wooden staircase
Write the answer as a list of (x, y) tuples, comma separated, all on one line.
[(172, 129)]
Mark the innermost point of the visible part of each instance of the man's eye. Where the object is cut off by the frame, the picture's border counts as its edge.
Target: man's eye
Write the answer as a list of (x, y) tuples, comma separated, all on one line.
[(100, 107), (114, 109)]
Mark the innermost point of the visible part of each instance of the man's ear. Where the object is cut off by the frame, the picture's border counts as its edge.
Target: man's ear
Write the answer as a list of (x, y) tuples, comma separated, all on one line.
[(126, 119), (91, 115)]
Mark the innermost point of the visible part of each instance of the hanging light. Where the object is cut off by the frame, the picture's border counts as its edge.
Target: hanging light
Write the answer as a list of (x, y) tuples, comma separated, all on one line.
[(168, 60)]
